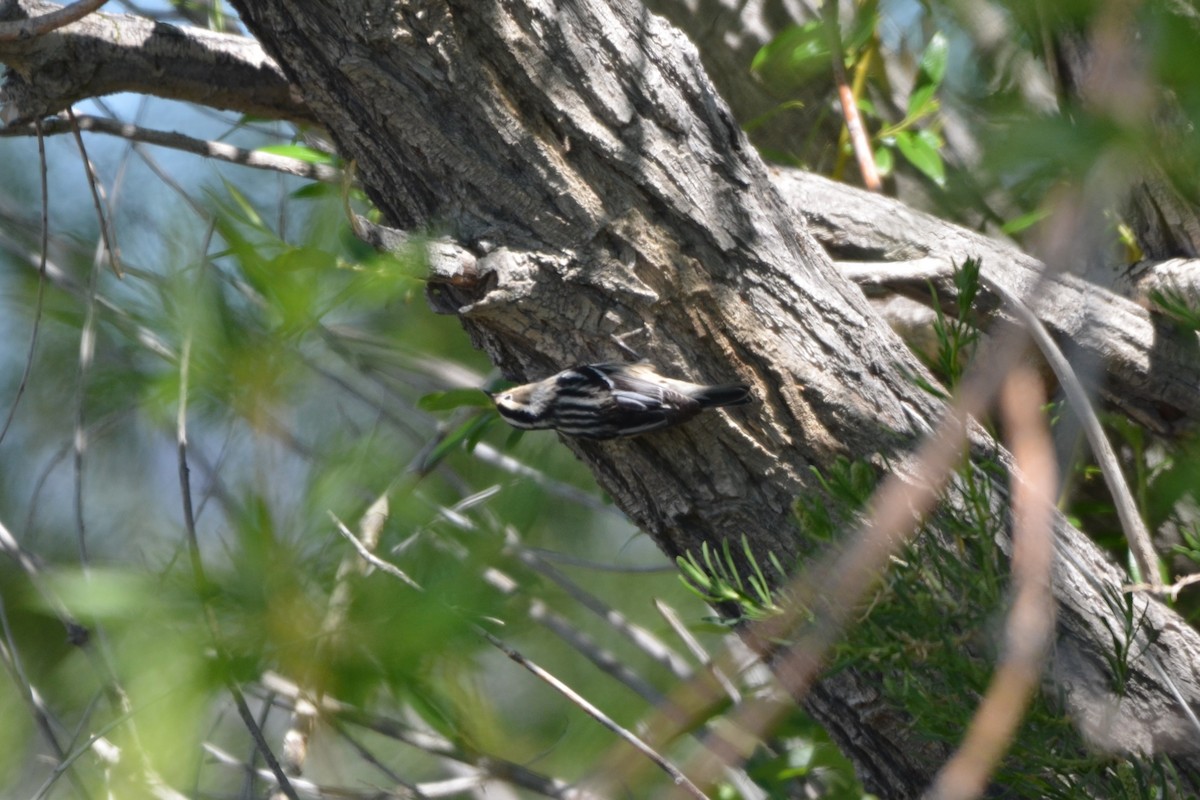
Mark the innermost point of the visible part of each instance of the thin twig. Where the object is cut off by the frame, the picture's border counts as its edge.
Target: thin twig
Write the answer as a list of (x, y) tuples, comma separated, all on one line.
[(41, 290), (106, 234), (1135, 529), (187, 144), (854, 122), (87, 350), (681, 781), (1171, 590), (106, 752), (677, 776), (304, 711), (371, 558), (432, 743), (33, 698), (696, 649), (77, 634), (604, 660), (644, 640), (309, 788), (1030, 625)]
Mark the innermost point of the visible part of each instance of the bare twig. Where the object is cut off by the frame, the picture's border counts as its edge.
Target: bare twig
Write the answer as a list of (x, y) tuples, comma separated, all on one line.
[(106, 234), (1131, 519), (698, 652), (106, 753), (595, 713), (681, 781), (304, 711), (646, 641), (77, 634), (309, 788), (604, 660), (1171, 590), (33, 698), (41, 291), (854, 123), (188, 144), (1030, 625), (87, 353), (426, 741)]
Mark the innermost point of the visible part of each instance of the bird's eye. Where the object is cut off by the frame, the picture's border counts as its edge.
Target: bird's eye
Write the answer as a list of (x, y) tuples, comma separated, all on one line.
[(506, 397)]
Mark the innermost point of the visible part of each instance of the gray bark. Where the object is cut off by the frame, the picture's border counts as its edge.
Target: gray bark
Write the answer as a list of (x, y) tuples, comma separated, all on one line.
[(581, 155), (1149, 363), (106, 53)]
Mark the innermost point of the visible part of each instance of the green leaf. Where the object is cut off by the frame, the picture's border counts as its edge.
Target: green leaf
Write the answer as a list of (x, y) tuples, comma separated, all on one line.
[(921, 102), (514, 437), (692, 576), (476, 434), (921, 150), (798, 53), (251, 214), (460, 435), (298, 152), (933, 61), (884, 161), (454, 398), (314, 190), (1181, 306), (1025, 221)]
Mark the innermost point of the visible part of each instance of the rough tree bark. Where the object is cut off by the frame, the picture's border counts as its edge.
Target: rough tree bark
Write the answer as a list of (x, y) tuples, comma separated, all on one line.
[(102, 54), (598, 186), (579, 152)]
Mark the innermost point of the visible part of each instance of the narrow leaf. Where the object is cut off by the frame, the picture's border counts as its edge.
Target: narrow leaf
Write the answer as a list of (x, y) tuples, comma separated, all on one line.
[(933, 61), (454, 398)]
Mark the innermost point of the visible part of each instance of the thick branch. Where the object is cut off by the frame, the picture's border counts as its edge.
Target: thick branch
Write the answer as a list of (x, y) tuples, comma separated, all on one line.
[(38, 26), (1152, 365), (106, 53)]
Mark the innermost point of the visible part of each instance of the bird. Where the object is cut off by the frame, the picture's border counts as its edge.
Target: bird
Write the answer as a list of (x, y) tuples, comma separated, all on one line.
[(611, 400)]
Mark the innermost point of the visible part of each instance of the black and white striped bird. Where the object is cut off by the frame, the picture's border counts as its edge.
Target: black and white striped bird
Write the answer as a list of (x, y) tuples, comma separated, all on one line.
[(604, 401)]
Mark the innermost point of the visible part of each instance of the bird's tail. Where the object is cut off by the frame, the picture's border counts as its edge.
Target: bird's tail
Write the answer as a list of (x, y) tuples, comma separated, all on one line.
[(729, 394)]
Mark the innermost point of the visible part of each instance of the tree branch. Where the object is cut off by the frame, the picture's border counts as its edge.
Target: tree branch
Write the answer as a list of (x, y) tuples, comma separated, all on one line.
[(188, 144), (39, 26), (1152, 366), (105, 53)]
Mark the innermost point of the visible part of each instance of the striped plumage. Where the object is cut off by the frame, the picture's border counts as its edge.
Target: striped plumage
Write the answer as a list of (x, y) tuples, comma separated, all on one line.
[(604, 401)]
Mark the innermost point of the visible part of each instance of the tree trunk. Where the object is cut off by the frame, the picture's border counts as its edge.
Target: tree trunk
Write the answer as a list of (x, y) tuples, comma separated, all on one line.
[(600, 187)]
